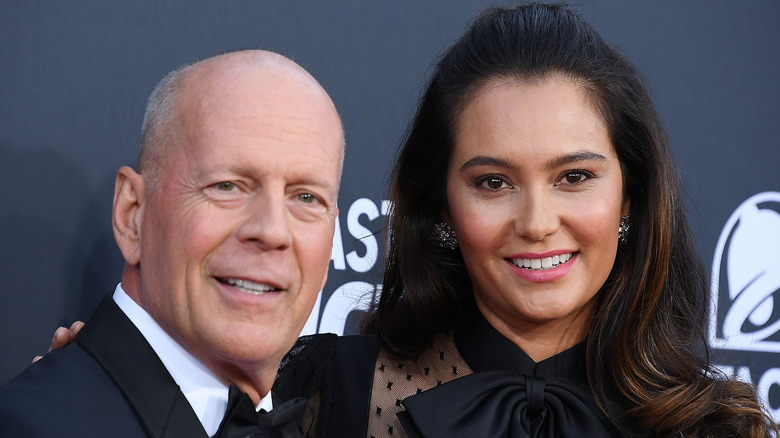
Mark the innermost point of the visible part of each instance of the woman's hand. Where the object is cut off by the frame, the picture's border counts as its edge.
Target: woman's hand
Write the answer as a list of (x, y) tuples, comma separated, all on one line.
[(63, 337)]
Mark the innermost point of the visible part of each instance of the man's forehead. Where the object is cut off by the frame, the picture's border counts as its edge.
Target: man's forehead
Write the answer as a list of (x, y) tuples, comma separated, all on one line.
[(263, 147), (257, 109), (274, 99)]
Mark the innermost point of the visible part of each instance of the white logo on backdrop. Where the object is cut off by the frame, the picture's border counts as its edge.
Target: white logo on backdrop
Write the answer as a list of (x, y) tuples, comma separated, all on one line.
[(746, 278), (331, 316)]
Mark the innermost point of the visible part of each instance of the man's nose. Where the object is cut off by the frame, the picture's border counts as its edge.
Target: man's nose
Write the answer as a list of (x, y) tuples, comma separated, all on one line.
[(266, 221)]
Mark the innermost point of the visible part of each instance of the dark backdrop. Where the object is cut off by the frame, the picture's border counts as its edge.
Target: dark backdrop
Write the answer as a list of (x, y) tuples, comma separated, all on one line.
[(74, 77)]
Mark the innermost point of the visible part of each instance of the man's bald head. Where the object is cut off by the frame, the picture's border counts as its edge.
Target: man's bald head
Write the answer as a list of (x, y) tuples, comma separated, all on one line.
[(227, 231), (162, 119)]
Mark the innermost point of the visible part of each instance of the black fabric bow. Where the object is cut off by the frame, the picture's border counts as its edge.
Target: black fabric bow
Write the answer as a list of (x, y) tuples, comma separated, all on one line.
[(242, 421), (500, 404)]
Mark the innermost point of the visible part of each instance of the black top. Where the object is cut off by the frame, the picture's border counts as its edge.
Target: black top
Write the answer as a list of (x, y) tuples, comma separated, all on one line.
[(335, 374), (485, 349), (509, 395)]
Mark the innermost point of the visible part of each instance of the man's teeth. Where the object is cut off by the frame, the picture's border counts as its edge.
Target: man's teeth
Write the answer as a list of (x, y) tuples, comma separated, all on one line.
[(249, 286), (545, 263)]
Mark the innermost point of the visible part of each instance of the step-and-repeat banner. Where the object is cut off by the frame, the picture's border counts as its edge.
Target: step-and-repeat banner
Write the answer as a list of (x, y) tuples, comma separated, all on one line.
[(745, 317), (74, 79)]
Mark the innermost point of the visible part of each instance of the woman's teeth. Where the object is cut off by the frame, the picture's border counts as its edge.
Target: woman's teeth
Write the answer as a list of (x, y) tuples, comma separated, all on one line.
[(544, 263)]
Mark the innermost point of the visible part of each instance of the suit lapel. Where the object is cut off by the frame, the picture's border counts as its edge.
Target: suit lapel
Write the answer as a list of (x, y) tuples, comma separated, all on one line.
[(118, 346)]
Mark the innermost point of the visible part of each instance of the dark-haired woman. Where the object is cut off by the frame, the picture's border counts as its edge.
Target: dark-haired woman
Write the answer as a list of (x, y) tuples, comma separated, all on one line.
[(541, 279)]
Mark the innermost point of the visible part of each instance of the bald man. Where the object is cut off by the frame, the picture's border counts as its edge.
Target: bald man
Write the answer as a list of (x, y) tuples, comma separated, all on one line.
[(226, 232)]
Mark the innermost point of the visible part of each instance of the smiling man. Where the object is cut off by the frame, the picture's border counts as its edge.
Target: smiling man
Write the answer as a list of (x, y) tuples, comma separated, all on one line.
[(226, 232)]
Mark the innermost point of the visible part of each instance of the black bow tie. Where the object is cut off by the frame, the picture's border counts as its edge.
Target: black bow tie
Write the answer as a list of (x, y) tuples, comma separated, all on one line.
[(498, 404), (242, 421)]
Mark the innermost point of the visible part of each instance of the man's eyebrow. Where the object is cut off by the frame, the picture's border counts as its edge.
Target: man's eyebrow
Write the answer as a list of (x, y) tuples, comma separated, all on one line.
[(313, 180), (310, 181), (575, 157)]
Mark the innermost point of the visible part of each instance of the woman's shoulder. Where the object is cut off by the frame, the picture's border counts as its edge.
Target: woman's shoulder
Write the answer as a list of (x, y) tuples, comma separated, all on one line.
[(315, 358), (334, 373), (322, 347), (362, 346)]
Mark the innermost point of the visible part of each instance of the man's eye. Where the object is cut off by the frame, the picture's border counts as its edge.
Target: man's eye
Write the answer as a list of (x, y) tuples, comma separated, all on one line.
[(226, 186), (307, 198)]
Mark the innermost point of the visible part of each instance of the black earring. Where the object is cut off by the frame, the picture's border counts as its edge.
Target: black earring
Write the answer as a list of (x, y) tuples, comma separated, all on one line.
[(445, 235), (623, 229)]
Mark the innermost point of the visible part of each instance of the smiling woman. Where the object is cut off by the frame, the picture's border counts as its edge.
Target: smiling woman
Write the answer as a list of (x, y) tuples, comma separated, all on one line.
[(533, 176), (515, 302)]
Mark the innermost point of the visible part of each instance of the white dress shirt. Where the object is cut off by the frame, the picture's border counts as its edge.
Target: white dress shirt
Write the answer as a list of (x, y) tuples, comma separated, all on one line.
[(204, 391)]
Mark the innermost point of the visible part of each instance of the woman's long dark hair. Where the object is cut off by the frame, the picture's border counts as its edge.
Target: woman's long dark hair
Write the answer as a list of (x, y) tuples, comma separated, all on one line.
[(645, 346)]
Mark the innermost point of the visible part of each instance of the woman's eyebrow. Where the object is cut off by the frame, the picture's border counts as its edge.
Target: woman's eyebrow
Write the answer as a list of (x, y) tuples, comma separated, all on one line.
[(575, 157), (482, 160)]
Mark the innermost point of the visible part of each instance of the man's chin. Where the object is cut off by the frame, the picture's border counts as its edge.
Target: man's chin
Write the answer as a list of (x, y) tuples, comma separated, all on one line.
[(255, 346)]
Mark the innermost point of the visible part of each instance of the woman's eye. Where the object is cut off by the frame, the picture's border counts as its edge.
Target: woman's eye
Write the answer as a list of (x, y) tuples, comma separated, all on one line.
[(576, 177), (493, 183)]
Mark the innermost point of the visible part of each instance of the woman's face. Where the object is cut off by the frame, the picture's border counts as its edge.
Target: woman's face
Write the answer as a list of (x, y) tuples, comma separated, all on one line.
[(535, 195)]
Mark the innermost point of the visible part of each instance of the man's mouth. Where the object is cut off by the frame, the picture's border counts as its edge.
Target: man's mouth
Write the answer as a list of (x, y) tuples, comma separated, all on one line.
[(248, 286), (543, 263)]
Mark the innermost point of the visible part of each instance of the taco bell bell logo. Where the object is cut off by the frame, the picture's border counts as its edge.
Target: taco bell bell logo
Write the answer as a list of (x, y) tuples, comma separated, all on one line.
[(745, 312)]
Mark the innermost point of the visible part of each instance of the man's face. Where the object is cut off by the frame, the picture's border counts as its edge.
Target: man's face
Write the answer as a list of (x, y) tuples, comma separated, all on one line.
[(236, 237)]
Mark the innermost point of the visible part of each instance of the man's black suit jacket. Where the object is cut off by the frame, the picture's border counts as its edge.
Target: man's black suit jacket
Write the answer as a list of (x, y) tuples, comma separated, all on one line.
[(109, 383)]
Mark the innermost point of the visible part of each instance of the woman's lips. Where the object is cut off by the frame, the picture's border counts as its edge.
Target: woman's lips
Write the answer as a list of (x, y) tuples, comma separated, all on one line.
[(543, 269), (542, 263)]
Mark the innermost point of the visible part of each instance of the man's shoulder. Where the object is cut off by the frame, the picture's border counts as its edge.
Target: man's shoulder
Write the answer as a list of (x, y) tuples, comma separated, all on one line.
[(63, 394), (57, 373)]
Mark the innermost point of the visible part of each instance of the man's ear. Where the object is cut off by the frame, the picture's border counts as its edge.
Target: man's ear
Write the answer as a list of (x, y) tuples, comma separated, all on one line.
[(127, 215)]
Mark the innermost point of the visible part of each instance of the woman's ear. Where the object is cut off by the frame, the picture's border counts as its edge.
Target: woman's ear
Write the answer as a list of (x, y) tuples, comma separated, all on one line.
[(127, 215), (626, 207), (445, 216)]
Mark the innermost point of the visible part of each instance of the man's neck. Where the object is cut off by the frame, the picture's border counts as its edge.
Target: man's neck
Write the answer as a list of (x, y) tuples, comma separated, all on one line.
[(205, 391)]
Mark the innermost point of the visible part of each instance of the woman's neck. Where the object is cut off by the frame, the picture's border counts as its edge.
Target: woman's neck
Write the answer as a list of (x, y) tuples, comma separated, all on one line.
[(543, 339)]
